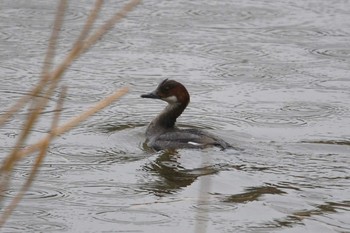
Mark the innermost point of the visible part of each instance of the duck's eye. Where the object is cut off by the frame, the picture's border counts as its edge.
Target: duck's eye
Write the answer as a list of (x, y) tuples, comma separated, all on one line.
[(166, 88)]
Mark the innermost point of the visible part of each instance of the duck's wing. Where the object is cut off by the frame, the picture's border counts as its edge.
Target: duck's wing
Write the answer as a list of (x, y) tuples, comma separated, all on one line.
[(187, 138)]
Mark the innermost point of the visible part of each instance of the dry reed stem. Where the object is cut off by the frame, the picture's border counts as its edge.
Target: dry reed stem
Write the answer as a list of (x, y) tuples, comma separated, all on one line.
[(89, 22), (38, 104), (49, 81), (77, 50), (51, 48), (47, 64), (15, 201), (82, 47), (74, 121), (38, 107), (110, 23)]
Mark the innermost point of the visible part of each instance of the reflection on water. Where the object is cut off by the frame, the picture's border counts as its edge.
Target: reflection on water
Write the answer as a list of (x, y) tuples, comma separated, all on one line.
[(271, 78), (172, 173), (253, 194)]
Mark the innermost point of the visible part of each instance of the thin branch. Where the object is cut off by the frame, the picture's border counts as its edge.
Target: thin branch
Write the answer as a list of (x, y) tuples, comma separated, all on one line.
[(110, 23), (47, 61), (43, 151), (77, 50), (38, 104), (80, 48), (89, 22), (48, 82), (51, 49), (75, 121)]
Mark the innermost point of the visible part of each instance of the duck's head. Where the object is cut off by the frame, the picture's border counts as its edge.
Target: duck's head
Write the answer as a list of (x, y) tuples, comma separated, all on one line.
[(171, 92)]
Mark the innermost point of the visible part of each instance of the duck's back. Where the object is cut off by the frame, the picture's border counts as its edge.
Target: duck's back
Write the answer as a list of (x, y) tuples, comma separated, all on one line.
[(187, 138)]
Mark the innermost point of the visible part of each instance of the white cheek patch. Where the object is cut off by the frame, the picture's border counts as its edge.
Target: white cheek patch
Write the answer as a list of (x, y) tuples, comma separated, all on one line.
[(171, 99)]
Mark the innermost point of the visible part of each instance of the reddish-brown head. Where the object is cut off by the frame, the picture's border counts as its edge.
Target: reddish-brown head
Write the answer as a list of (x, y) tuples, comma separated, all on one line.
[(171, 92)]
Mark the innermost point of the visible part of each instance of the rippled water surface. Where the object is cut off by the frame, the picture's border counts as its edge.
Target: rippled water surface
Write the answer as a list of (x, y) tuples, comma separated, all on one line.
[(271, 77)]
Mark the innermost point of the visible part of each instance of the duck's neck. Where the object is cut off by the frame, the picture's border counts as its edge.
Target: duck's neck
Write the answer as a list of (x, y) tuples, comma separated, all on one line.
[(167, 118)]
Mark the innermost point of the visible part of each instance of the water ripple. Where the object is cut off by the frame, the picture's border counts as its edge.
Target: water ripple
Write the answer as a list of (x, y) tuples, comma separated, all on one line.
[(334, 52), (306, 32), (38, 193), (292, 114), (308, 110), (31, 13), (234, 15), (133, 216), (87, 193), (86, 154), (258, 73), (213, 207), (231, 52), (86, 93), (252, 14), (46, 226), (118, 143), (337, 84)]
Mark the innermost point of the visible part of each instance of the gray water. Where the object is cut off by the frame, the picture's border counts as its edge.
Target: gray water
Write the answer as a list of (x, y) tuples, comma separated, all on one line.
[(271, 77)]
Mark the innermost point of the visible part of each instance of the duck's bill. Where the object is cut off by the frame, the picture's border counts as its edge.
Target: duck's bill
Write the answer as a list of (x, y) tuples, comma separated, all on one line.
[(151, 95)]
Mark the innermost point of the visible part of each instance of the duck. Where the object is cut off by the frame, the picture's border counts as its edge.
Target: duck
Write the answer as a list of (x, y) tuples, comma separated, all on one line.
[(162, 132)]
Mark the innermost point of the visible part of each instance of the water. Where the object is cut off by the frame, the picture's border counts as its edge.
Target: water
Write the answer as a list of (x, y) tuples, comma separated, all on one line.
[(272, 78)]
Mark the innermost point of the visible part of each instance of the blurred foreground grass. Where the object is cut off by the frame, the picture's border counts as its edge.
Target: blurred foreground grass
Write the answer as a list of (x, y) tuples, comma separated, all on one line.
[(48, 84)]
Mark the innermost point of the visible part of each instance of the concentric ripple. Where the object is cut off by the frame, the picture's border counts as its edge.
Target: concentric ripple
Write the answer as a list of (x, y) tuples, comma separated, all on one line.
[(292, 114), (306, 32), (133, 216), (106, 194), (269, 114), (38, 193), (227, 51), (47, 226), (333, 52), (84, 154), (307, 110)]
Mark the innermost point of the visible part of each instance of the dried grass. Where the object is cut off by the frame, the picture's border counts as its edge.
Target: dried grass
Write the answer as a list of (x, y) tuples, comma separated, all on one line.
[(46, 87)]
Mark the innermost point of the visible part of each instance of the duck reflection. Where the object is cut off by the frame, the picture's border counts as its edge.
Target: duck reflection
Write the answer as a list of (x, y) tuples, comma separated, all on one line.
[(253, 194), (172, 175)]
